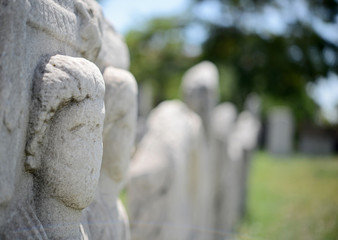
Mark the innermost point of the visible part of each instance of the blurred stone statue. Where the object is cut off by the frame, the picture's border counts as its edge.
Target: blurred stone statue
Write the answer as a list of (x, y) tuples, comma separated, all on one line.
[(63, 151), (106, 218), (242, 141), (200, 91), (164, 187), (223, 121)]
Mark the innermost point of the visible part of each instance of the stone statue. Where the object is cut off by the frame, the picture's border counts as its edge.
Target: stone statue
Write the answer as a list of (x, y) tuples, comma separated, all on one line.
[(63, 151), (241, 142), (223, 121), (105, 218), (200, 91), (30, 29), (164, 187)]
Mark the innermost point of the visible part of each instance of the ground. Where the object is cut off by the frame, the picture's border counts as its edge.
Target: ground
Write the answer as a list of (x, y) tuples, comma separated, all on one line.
[(292, 198)]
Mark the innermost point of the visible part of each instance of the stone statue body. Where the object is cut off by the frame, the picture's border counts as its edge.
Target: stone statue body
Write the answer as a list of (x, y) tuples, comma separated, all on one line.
[(200, 91), (105, 218), (223, 121), (64, 149), (163, 191)]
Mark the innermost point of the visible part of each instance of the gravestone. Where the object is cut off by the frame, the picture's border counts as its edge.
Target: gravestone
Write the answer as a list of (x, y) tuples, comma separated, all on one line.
[(280, 132), (166, 175)]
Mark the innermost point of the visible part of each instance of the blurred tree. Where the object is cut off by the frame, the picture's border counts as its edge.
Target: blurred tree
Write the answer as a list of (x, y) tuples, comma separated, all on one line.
[(277, 65), (158, 55)]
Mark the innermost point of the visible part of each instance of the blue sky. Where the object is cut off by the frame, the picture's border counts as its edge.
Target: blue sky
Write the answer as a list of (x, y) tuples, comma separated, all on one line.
[(124, 14)]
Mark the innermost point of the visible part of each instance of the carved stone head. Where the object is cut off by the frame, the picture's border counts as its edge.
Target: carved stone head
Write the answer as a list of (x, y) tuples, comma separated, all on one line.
[(120, 122), (200, 88), (64, 148)]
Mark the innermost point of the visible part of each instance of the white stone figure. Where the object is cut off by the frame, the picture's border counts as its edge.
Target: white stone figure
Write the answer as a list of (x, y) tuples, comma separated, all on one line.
[(200, 91), (102, 44), (250, 124), (63, 151), (90, 31), (30, 29), (223, 121), (280, 131), (164, 187), (105, 218), (248, 129), (242, 140), (114, 51)]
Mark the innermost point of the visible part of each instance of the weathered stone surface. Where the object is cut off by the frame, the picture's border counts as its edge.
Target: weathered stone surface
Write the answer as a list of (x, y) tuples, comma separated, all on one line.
[(164, 195), (63, 151), (114, 52), (35, 29), (29, 30), (105, 218), (280, 131)]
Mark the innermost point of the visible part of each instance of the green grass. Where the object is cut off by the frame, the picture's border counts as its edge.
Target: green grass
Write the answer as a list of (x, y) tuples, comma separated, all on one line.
[(292, 198)]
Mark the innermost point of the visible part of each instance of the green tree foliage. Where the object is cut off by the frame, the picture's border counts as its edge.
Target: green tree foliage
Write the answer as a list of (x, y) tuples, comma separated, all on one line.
[(157, 55), (277, 66)]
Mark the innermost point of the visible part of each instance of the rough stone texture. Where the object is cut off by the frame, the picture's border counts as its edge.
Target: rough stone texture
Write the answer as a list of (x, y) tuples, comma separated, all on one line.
[(29, 30), (200, 90), (63, 150), (223, 122), (166, 176), (105, 218), (114, 51), (280, 132)]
